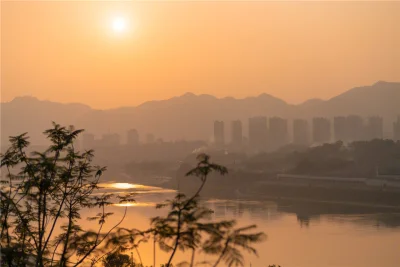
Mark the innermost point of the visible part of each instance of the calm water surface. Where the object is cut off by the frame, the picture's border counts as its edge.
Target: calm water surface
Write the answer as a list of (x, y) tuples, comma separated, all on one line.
[(297, 237)]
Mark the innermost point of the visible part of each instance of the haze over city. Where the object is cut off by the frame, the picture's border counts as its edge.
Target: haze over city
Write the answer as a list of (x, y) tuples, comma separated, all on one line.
[(200, 133)]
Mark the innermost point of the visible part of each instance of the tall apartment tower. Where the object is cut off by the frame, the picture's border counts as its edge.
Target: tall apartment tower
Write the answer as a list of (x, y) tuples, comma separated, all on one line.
[(278, 133), (348, 129), (237, 133), (132, 137), (150, 138), (374, 128), (258, 132), (396, 129), (321, 130), (340, 128), (110, 140), (301, 132), (219, 133), (355, 128)]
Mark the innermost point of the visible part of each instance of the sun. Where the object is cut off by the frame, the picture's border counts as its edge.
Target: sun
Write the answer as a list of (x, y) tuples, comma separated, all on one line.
[(119, 24)]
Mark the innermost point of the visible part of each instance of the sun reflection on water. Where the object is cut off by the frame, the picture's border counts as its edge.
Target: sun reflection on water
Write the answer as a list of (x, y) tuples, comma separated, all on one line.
[(119, 185), (136, 204), (127, 186)]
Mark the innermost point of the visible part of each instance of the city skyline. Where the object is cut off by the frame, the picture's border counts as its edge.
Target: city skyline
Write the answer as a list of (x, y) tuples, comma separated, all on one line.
[(269, 134), (184, 117)]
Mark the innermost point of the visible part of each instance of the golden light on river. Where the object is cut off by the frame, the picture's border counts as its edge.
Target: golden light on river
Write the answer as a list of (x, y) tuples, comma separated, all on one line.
[(137, 188), (123, 185), (136, 204), (120, 185)]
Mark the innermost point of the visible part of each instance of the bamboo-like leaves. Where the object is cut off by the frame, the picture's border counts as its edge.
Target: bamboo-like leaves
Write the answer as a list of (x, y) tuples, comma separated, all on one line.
[(47, 188)]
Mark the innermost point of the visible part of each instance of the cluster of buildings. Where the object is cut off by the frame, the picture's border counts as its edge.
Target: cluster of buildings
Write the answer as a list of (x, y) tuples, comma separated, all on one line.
[(113, 139), (89, 141), (269, 134)]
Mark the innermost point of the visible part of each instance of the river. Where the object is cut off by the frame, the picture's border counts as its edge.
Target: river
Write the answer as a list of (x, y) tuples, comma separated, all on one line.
[(299, 235)]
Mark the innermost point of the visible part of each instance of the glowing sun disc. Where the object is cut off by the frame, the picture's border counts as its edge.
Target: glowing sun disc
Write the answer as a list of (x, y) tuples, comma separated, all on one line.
[(119, 24)]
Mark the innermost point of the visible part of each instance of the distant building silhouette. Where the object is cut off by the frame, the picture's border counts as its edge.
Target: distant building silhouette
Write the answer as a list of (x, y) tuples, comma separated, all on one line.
[(396, 129), (374, 128), (237, 133), (150, 138), (355, 128), (132, 137), (321, 130), (258, 132), (301, 132), (110, 140), (277, 133), (340, 128), (88, 141), (348, 129), (219, 133)]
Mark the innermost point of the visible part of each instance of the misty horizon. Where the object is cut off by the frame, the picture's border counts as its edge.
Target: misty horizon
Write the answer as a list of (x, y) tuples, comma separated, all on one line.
[(188, 94)]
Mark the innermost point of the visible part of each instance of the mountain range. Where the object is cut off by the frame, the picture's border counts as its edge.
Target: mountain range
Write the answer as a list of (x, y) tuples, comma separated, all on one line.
[(191, 116)]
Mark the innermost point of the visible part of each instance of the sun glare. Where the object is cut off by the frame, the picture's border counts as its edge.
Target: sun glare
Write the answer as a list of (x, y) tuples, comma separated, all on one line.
[(119, 24)]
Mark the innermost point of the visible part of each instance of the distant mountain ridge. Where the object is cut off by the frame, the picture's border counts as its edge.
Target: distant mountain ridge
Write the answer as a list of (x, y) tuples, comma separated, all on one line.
[(190, 116)]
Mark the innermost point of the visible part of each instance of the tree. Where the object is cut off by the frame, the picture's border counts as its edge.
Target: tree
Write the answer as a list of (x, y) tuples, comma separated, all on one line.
[(117, 259), (124, 240), (203, 169), (180, 229), (47, 190), (228, 241), (186, 225)]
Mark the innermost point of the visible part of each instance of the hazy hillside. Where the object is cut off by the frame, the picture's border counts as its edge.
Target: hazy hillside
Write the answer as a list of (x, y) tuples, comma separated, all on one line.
[(191, 116), (382, 98), (28, 114), (185, 117)]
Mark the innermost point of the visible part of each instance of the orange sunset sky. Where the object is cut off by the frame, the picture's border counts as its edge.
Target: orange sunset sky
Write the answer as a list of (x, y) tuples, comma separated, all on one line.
[(70, 52)]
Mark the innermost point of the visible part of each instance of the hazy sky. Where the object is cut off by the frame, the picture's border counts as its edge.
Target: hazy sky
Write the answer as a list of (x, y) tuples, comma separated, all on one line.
[(69, 52)]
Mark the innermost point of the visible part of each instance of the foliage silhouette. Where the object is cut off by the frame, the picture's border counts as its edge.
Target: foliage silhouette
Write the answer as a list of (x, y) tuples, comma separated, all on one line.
[(52, 187), (228, 242), (187, 223), (117, 259), (47, 190)]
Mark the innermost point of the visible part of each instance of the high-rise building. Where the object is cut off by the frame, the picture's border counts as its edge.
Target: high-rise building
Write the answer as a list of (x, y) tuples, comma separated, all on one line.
[(219, 133), (374, 128), (340, 128), (150, 138), (396, 129), (110, 140), (321, 130), (348, 129), (88, 141), (132, 137), (355, 128), (258, 132), (237, 133), (301, 132), (278, 133)]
